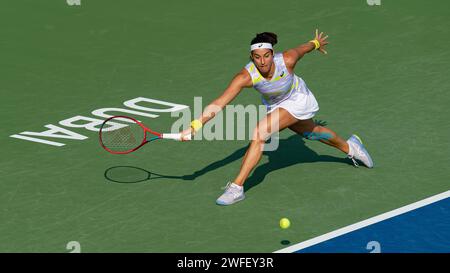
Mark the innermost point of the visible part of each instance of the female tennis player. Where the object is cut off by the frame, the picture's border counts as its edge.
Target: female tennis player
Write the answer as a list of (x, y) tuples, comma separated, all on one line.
[(289, 102)]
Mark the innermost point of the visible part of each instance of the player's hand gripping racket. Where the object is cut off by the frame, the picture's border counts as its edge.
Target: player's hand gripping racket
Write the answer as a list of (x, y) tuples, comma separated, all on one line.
[(130, 137)]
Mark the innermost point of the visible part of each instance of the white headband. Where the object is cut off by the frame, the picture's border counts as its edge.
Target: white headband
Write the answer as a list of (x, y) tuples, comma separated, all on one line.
[(260, 45)]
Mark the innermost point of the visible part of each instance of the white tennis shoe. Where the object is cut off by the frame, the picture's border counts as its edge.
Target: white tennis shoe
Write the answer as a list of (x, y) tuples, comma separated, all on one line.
[(358, 151), (233, 193)]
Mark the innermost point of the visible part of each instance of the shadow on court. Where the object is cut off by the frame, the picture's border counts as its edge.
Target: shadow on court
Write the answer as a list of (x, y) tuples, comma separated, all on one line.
[(291, 151), (131, 174)]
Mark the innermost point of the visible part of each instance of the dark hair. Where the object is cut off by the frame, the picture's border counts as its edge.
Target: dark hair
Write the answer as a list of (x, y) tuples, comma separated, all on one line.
[(265, 37)]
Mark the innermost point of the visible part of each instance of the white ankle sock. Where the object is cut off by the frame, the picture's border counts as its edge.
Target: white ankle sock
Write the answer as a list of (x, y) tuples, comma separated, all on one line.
[(350, 149), (237, 186)]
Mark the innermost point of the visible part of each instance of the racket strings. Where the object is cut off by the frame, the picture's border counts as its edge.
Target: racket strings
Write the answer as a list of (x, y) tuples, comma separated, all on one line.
[(122, 139)]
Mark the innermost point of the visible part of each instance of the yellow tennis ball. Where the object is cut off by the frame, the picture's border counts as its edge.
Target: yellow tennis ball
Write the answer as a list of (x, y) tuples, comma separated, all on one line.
[(284, 223)]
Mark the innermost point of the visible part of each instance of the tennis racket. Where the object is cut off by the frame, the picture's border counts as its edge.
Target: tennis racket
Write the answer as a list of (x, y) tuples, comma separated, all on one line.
[(119, 138)]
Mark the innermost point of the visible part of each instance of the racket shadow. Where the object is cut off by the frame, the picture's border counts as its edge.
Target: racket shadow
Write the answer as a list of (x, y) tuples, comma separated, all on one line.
[(132, 174), (291, 151)]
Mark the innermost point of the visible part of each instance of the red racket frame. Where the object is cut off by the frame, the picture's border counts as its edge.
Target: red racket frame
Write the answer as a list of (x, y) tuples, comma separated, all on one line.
[(144, 139)]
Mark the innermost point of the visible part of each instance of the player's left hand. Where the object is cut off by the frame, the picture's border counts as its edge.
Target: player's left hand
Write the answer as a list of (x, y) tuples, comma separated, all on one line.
[(322, 40)]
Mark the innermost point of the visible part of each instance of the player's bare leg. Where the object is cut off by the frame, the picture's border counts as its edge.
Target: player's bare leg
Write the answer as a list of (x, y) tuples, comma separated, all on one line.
[(311, 130), (273, 122), (353, 147)]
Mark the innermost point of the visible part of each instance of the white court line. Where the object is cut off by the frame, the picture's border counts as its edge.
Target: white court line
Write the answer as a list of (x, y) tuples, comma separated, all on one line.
[(38, 140), (365, 223)]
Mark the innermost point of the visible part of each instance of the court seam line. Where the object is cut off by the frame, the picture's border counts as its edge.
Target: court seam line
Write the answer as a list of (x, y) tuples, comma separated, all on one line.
[(365, 223)]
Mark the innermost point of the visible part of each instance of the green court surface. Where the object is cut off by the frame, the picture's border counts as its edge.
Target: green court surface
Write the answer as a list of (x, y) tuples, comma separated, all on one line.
[(385, 78)]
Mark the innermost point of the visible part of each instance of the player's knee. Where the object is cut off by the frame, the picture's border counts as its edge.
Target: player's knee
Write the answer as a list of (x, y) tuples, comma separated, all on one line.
[(309, 135), (260, 135)]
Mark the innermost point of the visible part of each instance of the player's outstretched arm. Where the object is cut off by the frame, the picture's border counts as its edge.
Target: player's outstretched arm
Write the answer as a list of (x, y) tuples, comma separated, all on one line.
[(292, 56), (240, 81)]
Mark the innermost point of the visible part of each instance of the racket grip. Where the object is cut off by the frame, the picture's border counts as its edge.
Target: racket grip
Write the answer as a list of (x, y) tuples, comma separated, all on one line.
[(176, 137)]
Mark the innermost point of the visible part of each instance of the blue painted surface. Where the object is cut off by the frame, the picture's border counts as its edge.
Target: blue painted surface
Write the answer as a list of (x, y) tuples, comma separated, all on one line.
[(424, 230)]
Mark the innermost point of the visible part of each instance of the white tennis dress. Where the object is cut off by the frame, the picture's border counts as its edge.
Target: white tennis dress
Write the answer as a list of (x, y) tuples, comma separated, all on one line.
[(284, 90)]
